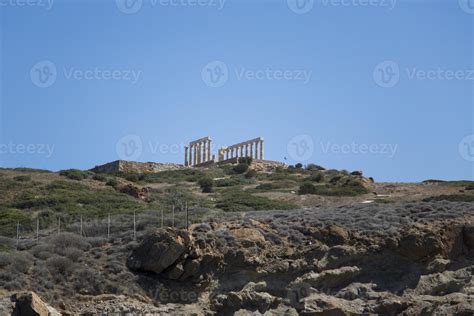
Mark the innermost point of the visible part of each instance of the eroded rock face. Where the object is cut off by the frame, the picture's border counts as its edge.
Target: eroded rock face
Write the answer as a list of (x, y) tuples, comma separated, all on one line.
[(30, 304), (159, 251), (318, 270)]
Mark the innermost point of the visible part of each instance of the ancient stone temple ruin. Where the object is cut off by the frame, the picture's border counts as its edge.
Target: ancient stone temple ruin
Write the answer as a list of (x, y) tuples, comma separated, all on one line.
[(199, 152), (252, 148)]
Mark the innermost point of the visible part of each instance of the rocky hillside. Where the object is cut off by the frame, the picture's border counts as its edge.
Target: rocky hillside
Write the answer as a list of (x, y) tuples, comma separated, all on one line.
[(284, 241), (405, 258)]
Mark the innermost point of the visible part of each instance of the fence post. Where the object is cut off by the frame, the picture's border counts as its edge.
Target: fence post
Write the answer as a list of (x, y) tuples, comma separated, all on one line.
[(37, 228), (108, 227), (17, 234), (81, 227), (173, 217), (187, 216), (134, 227)]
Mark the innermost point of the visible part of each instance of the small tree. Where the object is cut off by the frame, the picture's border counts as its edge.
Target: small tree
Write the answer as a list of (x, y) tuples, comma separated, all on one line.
[(206, 184), (241, 168), (307, 188), (299, 166), (246, 160), (251, 174)]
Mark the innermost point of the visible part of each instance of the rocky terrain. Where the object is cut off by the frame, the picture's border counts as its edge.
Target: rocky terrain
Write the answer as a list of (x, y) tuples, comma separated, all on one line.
[(407, 258), (345, 245)]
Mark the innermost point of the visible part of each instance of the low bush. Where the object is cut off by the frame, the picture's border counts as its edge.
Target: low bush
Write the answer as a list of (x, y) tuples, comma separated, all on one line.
[(112, 183), (451, 198), (299, 166), (60, 266), (314, 167), (99, 177), (206, 184), (246, 160), (352, 188), (241, 201), (74, 174), (307, 188), (22, 178), (241, 168), (316, 177), (250, 174)]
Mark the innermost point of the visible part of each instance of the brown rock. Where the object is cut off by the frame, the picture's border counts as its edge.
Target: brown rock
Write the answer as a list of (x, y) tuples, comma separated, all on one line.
[(30, 304), (159, 251)]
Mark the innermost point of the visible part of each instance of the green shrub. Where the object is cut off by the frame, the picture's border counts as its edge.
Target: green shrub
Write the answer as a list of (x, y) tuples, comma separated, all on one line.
[(265, 186), (251, 174), (112, 183), (299, 166), (241, 201), (241, 168), (307, 188), (206, 184), (351, 188), (451, 198), (22, 178), (99, 177), (246, 160), (317, 177), (314, 167), (132, 177), (74, 174)]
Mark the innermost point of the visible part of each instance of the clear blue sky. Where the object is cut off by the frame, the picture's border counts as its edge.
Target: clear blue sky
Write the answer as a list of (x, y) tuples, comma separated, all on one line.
[(343, 114)]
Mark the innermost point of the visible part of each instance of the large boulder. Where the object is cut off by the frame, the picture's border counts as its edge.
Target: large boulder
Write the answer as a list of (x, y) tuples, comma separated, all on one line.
[(160, 251), (30, 304), (468, 236)]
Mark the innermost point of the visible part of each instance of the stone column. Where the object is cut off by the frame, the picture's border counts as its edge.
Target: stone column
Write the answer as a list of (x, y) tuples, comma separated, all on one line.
[(186, 163), (199, 153), (251, 150), (209, 144), (246, 150), (261, 150), (204, 151)]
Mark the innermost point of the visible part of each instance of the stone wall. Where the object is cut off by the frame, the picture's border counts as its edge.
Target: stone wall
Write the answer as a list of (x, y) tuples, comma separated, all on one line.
[(136, 167)]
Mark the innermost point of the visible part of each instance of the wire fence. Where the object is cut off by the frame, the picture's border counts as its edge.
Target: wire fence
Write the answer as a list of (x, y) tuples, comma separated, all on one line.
[(129, 224)]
